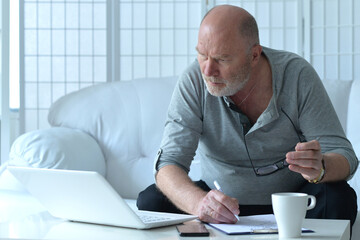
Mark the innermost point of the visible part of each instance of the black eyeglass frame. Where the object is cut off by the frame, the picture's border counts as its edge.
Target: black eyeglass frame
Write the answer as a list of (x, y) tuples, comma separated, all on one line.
[(274, 167)]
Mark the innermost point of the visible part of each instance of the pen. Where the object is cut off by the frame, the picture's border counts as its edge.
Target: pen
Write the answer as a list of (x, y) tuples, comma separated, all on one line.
[(219, 189)]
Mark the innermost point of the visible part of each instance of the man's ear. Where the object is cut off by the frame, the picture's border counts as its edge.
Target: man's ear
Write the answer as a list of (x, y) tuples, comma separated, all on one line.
[(255, 54)]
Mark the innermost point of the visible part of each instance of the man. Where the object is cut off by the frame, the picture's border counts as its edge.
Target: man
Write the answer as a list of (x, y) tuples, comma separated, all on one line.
[(262, 123)]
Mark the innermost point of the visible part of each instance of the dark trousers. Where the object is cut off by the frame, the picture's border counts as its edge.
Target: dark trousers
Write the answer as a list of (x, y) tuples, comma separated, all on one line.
[(335, 200)]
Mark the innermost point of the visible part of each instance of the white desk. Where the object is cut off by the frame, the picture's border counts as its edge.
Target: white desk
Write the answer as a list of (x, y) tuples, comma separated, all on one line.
[(22, 217)]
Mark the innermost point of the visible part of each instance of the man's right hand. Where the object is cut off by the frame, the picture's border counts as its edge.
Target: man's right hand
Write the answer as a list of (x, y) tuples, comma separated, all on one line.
[(216, 207), (212, 207)]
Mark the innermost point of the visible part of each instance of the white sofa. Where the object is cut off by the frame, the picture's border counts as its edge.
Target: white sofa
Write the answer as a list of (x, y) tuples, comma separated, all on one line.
[(116, 129)]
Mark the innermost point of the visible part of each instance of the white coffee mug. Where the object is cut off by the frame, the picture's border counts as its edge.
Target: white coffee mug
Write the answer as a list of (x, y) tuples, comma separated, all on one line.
[(290, 210)]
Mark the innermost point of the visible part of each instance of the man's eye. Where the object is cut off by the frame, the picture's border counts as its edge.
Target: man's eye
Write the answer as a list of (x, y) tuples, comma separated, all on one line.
[(221, 60)]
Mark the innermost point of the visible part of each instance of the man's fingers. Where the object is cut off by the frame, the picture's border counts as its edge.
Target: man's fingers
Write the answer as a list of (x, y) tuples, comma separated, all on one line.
[(217, 217), (309, 154), (224, 206), (209, 216), (306, 159), (226, 201), (307, 173), (312, 145), (215, 208), (306, 163)]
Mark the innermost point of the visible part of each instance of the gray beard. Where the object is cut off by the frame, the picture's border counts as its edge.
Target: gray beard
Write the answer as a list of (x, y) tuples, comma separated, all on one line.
[(230, 88)]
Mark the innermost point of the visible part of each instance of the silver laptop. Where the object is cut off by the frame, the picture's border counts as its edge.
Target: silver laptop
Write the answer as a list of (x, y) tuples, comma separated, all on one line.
[(86, 196)]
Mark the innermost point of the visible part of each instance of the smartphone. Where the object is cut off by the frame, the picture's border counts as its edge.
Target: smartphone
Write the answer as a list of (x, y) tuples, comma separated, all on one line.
[(192, 230)]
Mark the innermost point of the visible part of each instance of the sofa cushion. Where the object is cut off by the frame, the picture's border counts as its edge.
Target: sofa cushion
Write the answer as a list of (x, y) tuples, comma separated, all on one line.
[(127, 120), (338, 91), (60, 148)]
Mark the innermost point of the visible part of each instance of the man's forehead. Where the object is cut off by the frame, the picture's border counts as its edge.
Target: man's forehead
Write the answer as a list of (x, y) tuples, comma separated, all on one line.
[(220, 52), (219, 45)]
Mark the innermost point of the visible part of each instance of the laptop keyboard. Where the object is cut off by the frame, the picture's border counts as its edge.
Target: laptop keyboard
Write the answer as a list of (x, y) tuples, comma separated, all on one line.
[(151, 218)]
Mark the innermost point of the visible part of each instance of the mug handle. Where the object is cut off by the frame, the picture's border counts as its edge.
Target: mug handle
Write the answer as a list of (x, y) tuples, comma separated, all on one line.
[(312, 202)]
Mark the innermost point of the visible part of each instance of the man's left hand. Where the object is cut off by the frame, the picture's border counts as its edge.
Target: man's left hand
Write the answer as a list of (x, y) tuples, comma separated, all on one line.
[(306, 159)]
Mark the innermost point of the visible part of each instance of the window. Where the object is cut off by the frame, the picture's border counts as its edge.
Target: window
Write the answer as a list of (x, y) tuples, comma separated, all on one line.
[(279, 22), (334, 37), (156, 38), (64, 49), (69, 45)]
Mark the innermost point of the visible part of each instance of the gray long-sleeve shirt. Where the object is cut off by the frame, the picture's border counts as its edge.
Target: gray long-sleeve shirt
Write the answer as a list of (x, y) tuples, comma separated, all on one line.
[(196, 119)]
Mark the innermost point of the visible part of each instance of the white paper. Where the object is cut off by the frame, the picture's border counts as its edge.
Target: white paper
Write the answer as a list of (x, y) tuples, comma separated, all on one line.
[(249, 224)]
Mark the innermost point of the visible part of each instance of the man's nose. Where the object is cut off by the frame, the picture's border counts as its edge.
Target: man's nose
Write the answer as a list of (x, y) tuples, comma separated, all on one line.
[(210, 68)]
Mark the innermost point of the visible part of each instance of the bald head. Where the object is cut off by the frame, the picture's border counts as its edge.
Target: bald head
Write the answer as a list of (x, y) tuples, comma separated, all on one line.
[(226, 19)]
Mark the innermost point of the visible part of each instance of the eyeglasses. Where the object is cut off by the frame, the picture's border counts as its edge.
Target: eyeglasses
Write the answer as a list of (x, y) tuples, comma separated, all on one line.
[(269, 169)]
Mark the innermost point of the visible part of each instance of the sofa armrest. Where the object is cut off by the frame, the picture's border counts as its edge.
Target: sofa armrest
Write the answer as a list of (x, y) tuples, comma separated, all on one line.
[(58, 147), (338, 92)]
